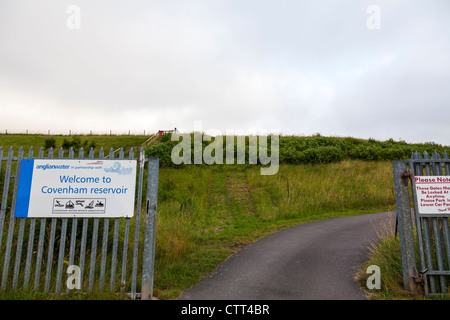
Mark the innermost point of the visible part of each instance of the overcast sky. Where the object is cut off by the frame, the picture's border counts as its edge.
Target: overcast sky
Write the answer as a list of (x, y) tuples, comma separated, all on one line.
[(292, 66)]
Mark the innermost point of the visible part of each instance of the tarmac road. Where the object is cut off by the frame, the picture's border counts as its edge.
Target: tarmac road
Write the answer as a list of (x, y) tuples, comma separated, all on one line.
[(312, 261)]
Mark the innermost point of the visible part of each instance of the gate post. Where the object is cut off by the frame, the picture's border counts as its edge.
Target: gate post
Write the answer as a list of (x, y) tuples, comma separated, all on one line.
[(405, 228), (150, 229)]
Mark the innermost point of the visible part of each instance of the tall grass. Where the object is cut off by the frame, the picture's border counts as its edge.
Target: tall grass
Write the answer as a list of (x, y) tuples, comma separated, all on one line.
[(301, 191), (205, 213), (40, 292)]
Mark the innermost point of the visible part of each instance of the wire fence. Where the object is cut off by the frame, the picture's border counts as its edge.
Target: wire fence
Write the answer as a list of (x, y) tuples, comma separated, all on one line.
[(80, 132)]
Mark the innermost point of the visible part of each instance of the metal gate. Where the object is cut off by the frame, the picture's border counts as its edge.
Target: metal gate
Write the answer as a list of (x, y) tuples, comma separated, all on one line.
[(113, 254), (432, 230)]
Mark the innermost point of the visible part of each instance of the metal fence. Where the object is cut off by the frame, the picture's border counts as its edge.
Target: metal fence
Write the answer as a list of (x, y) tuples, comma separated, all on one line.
[(113, 254), (431, 243)]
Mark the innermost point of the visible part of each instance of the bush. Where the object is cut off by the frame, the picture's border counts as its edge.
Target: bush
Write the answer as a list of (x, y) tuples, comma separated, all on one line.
[(316, 149), (323, 155), (291, 156), (76, 143), (396, 153), (50, 143), (366, 152), (163, 151)]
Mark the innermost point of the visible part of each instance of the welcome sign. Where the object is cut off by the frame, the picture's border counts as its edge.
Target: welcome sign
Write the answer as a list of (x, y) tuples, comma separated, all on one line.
[(51, 188)]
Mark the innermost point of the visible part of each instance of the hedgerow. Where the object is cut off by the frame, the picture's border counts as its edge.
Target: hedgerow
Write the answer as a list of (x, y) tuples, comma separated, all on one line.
[(315, 149)]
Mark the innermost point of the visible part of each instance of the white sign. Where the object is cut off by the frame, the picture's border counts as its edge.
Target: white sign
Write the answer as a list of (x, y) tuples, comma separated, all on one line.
[(433, 194), (76, 188)]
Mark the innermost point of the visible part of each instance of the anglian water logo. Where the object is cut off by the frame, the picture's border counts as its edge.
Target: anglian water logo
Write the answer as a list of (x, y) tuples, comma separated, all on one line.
[(117, 167), (52, 166)]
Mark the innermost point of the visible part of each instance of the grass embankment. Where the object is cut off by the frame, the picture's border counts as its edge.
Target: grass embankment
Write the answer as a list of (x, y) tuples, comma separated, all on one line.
[(205, 213)]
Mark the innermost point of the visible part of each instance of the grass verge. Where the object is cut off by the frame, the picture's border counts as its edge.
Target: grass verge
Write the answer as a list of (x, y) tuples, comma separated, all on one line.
[(387, 256)]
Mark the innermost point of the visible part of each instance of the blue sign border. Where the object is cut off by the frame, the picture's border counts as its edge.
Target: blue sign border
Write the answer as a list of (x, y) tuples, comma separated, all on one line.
[(23, 193)]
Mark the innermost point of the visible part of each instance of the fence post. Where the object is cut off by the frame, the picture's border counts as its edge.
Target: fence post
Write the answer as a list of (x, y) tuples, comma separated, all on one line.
[(405, 228), (150, 229)]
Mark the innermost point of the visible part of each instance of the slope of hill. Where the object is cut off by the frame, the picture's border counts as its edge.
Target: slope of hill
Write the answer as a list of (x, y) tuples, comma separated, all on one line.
[(207, 212), (312, 150)]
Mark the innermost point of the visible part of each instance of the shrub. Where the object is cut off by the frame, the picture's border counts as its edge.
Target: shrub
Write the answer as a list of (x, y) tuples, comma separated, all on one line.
[(323, 155), (316, 149), (76, 143), (163, 151), (50, 143), (366, 152)]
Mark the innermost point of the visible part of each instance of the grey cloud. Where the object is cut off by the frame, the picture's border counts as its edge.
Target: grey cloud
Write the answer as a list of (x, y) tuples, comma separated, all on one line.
[(298, 66)]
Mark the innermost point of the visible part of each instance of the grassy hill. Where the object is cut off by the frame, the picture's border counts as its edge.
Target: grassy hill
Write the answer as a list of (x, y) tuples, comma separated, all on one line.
[(207, 212), (292, 149)]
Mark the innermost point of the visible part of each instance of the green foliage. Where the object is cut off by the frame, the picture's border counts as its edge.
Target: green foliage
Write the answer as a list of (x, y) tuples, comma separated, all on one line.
[(325, 154), (76, 143), (107, 142), (207, 212), (162, 151), (165, 138), (50, 143), (313, 150)]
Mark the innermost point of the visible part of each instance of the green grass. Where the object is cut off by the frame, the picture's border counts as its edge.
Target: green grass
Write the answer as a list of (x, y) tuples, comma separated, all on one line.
[(38, 140), (206, 213), (385, 253), (85, 293), (74, 295)]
